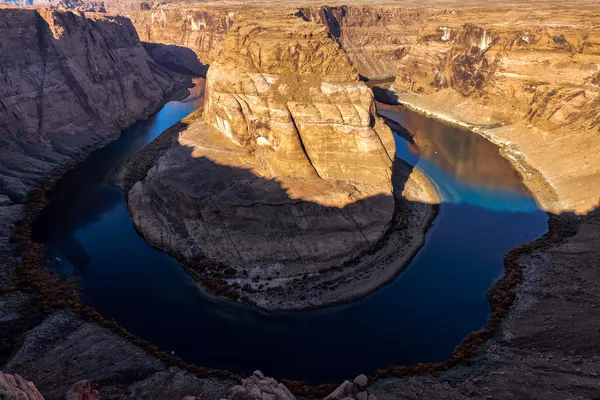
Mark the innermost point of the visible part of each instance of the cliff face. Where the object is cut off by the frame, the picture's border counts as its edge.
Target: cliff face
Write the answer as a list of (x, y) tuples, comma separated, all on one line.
[(181, 36), (523, 75), (289, 91), (288, 174), (70, 82), (530, 86), (374, 37)]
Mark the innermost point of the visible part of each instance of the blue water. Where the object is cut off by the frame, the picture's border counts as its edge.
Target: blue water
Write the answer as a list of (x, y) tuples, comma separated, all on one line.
[(419, 317)]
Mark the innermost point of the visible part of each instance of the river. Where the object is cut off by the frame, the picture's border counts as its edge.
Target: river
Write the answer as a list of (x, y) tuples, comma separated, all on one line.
[(419, 317)]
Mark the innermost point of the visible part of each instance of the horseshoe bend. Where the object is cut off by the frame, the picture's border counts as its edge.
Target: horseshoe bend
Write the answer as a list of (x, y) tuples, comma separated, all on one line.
[(361, 200)]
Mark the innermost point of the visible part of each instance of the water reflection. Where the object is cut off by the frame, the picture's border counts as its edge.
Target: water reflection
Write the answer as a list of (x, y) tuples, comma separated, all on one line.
[(480, 175), (421, 316)]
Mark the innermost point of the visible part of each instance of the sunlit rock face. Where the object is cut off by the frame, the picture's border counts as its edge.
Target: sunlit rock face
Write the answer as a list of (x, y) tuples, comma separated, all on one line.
[(529, 86), (288, 173), (181, 36), (286, 89), (528, 74), (375, 37)]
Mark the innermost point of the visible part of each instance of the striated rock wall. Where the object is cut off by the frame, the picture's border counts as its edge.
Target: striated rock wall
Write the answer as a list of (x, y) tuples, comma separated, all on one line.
[(287, 177), (170, 34), (528, 84), (287, 90), (70, 82), (375, 37)]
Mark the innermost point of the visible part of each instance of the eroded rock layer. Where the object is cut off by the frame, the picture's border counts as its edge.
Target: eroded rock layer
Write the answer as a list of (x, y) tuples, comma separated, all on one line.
[(287, 89), (288, 174), (70, 83), (183, 36), (528, 84)]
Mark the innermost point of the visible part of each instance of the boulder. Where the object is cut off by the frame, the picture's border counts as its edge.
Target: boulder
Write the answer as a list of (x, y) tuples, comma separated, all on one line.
[(259, 387), (15, 387), (343, 391), (82, 390), (361, 381)]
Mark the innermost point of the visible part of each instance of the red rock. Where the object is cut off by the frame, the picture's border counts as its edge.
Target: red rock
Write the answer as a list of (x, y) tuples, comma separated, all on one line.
[(15, 387), (82, 390)]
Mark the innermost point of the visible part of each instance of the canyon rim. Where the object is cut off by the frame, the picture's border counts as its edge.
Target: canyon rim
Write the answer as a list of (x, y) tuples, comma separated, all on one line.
[(283, 192)]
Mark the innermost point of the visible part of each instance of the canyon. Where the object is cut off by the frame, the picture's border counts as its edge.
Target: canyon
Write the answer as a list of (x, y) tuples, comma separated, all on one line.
[(83, 79), (292, 175), (521, 82), (283, 84)]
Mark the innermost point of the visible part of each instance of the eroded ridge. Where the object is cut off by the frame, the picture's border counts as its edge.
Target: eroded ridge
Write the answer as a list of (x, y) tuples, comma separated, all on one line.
[(287, 177)]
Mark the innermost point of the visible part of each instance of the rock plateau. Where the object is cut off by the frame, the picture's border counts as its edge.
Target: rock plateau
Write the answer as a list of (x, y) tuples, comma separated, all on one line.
[(523, 74)]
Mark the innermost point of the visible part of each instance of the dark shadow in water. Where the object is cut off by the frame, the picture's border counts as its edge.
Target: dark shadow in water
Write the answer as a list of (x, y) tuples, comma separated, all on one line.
[(419, 317)]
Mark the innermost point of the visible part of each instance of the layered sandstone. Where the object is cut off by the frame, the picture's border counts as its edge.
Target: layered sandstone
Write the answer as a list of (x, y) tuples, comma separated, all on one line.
[(375, 37), (70, 83), (183, 36), (289, 91), (529, 85), (288, 175)]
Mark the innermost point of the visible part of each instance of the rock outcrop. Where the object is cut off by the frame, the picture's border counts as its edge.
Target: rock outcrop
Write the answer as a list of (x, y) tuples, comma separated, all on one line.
[(15, 387), (183, 36), (288, 175), (258, 386), (529, 86), (375, 37), (64, 350), (356, 390), (287, 90)]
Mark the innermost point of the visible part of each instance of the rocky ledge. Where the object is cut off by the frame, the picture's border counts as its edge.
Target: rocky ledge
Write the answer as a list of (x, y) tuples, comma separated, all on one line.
[(286, 179)]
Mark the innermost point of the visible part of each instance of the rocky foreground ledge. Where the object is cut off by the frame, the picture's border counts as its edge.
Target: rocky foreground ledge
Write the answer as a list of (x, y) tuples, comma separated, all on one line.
[(255, 387), (285, 195)]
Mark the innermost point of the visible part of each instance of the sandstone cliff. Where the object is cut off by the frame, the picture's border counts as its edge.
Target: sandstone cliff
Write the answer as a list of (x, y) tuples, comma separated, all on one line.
[(375, 37), (289, 91), (183, 36), (288, 175), (70, 83), (529, 86)]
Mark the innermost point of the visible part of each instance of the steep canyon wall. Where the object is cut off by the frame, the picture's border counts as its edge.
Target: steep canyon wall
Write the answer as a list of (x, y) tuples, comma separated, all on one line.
[(524, 76), (69, 83), (287, 177)]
